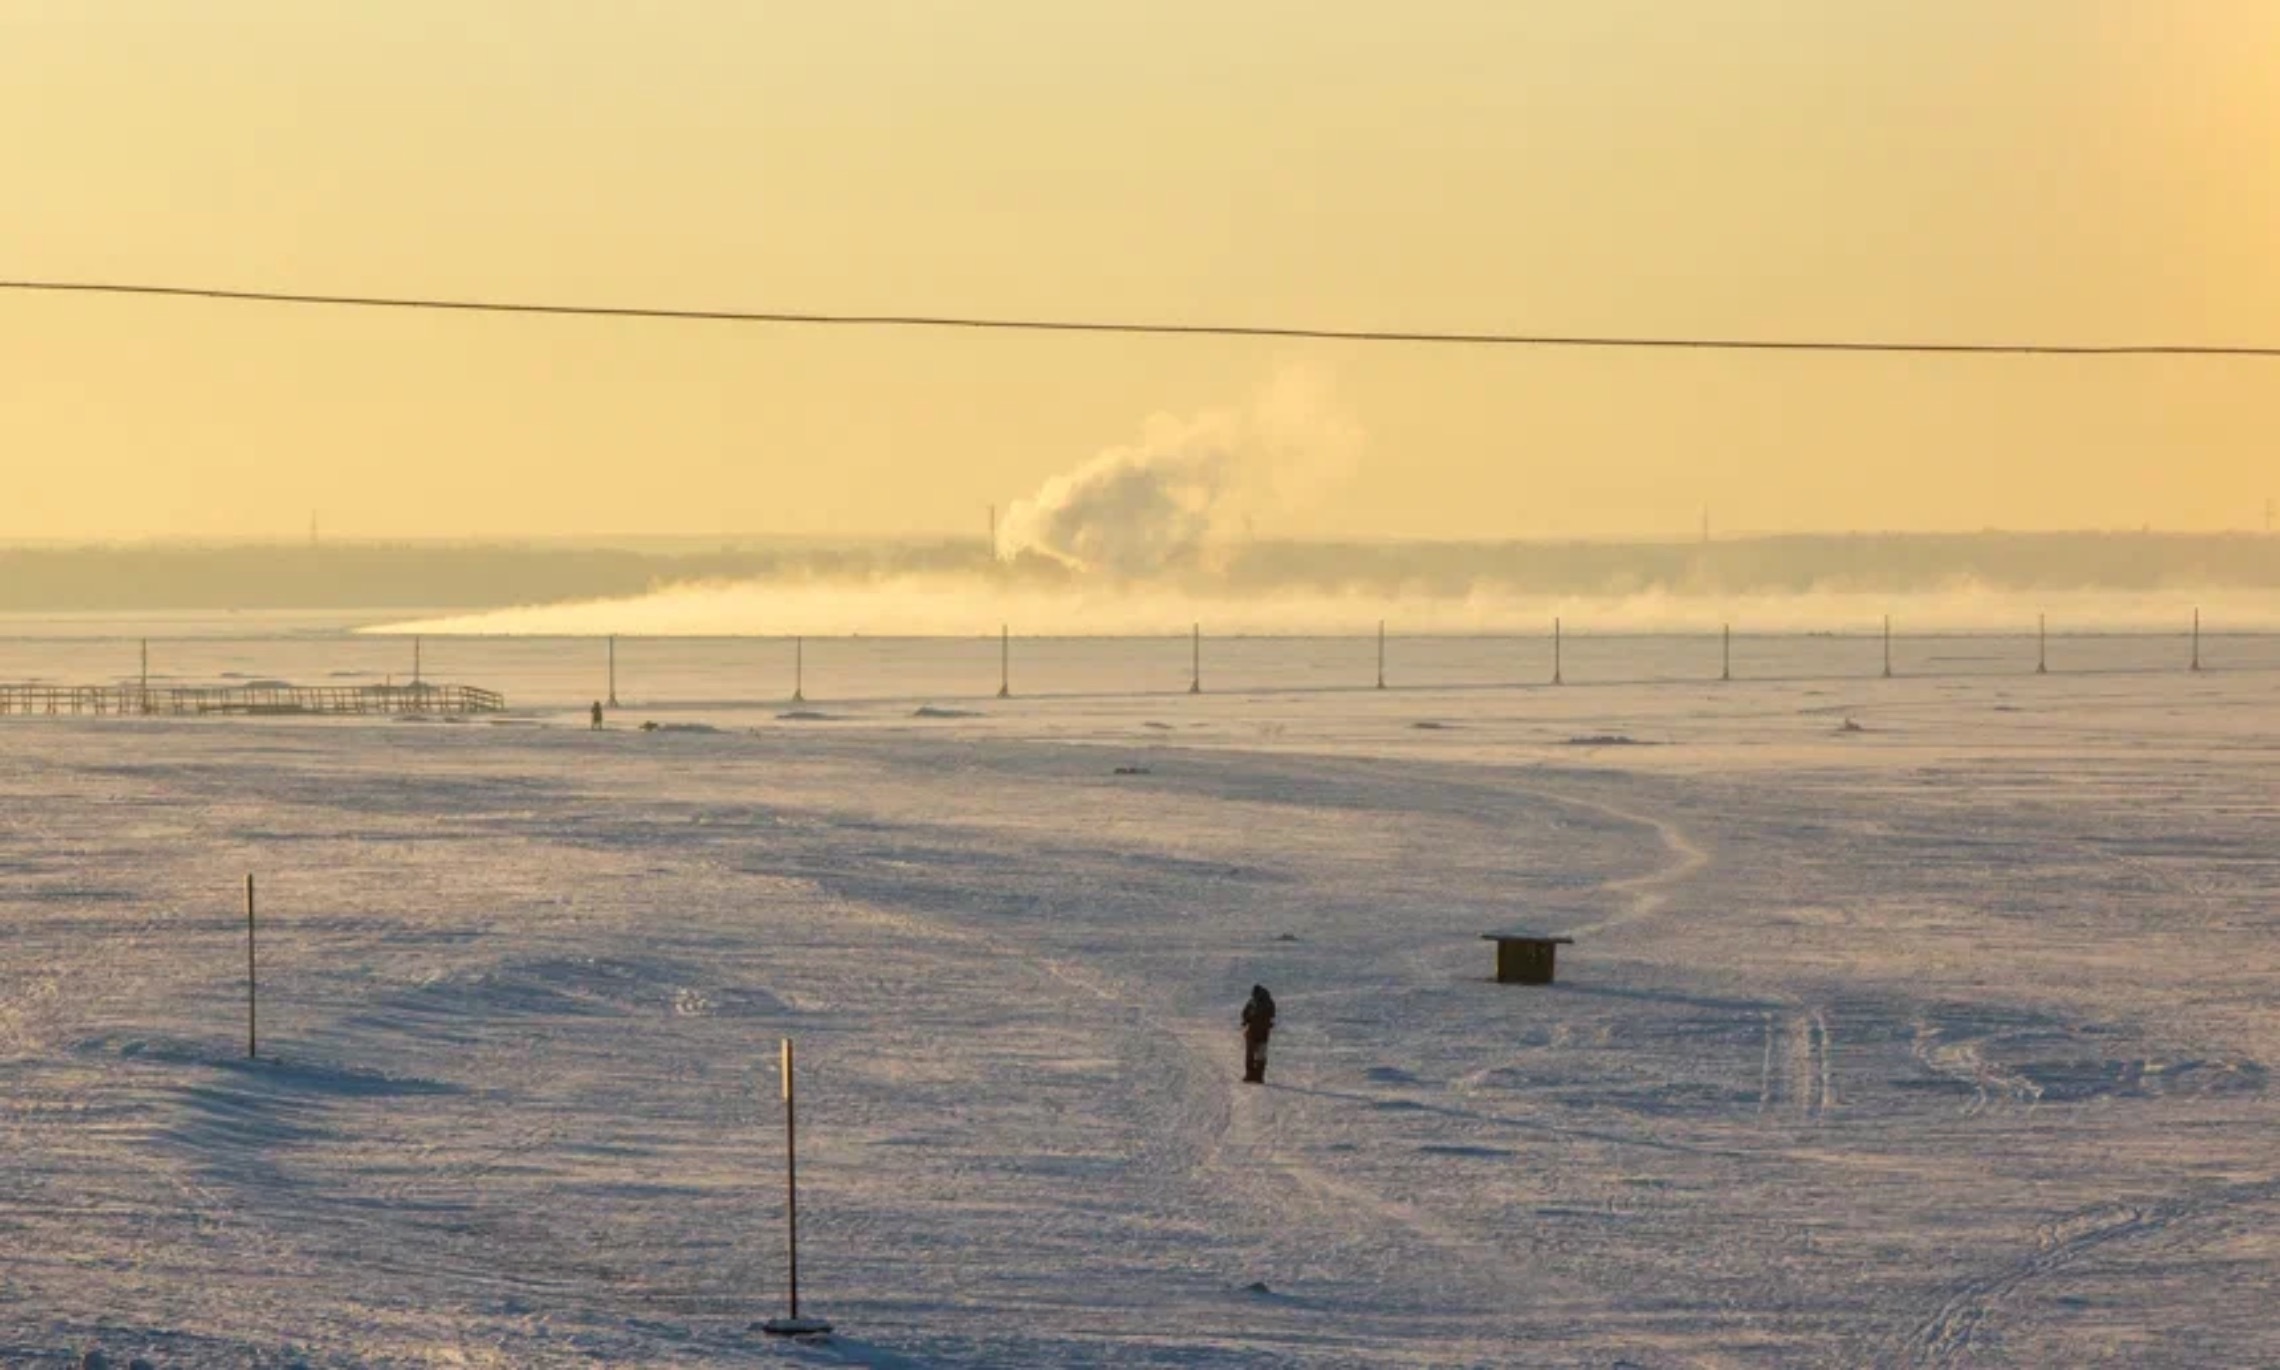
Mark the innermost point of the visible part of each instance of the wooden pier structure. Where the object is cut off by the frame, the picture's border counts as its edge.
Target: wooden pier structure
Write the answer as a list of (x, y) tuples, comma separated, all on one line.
[(174, 701)]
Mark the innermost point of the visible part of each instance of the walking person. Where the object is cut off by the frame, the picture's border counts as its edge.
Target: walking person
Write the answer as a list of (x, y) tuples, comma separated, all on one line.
[(1258, 1025), (597, 715)]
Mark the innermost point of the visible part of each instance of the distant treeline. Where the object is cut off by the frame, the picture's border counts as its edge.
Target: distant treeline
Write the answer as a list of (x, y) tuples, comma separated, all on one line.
[(412, 576), (1805, 563)]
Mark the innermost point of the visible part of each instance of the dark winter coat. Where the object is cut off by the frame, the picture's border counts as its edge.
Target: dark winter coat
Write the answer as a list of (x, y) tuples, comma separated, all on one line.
[(1259, 1014)]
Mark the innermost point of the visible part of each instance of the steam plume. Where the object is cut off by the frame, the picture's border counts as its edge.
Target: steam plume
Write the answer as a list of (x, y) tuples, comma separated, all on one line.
[(1173, 501)]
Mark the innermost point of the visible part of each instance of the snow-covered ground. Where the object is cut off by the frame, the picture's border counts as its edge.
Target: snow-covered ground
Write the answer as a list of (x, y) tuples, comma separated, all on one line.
[(1938, 1039)]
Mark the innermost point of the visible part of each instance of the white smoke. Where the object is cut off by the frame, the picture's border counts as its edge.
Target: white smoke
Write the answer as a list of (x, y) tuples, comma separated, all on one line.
[(1170, 502)]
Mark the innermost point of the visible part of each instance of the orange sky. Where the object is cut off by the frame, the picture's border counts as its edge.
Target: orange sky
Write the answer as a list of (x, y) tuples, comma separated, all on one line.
[(2065, 170)]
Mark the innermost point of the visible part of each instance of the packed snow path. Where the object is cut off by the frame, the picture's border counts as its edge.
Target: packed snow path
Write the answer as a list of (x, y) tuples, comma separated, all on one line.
[(1941, 1041)]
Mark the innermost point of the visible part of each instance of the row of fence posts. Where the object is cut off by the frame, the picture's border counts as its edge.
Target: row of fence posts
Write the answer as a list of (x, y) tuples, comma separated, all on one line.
[(1195, 656)]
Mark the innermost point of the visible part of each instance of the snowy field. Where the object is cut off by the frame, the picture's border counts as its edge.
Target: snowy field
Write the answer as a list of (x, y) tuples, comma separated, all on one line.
[(1941, 1038)]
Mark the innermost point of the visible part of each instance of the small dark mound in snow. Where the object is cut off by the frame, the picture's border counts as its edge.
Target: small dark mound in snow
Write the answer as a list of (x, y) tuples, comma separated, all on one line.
[(1286, 937), (804, 716), (934, 711), (679, 728), (1849, 726), (1257, 1287), (1132, 770), (1433, 725), (1607, 740), (1159, 727)]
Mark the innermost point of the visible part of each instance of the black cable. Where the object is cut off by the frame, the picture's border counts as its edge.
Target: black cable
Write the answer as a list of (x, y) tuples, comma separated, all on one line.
[(1364, 335)]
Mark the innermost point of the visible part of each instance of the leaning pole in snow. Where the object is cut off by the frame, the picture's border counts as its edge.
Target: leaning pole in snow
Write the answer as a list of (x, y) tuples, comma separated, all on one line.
[(252, 981), (795, 1325)]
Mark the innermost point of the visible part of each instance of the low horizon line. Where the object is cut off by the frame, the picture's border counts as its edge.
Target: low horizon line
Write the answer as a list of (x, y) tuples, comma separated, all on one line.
[(754, 540)]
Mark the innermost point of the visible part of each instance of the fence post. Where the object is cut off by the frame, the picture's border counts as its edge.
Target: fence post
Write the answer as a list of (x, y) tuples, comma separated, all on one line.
[(1555, 651), (416, 663), (795, 1325), (2196, 639), (1381, 654), (1005, 661), (1726, 651), (2042, 644), (252, 980), (1195, 677), (613, 671), (1888, 646), (799, 670)]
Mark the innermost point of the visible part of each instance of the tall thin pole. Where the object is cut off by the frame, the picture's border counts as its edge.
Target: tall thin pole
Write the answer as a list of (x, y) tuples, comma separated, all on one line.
[(416, 664), (792, 1177), (799, 670), (613, 670), (1888, 646), (2196, 639), (252, 980), (1726, 651), (1195, 676), (2042, 644), (1005, 659), (1381, 654), (144, 702), (1555, 651)]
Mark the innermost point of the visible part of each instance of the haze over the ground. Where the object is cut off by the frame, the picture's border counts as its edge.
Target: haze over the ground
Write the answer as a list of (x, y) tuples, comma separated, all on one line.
[(2056, 170)]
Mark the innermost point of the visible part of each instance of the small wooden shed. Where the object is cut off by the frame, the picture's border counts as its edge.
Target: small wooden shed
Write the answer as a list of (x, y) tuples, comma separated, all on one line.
[(1525, 958)]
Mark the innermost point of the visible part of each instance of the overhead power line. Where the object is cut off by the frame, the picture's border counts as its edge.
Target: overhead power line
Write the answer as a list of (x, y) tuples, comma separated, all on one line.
[(1211, 330)]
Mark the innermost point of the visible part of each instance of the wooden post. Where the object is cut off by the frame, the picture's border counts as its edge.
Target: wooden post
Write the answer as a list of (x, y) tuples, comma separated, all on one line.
[(1195, 678), (252, 980), (1726, 651), (799, 670), (613, 670), (2042, 644), (1888, 646), (1381, 654), (1005, 658), (415, 661), (1555, 651), (2196, 639), (143, 704), (795, 1325), (792, 1178)]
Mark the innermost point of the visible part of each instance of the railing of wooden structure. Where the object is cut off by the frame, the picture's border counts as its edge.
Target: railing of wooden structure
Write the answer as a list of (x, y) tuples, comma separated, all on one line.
[(176, 700)]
